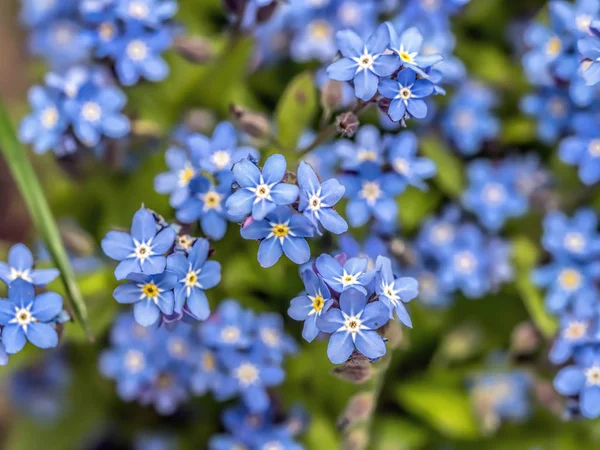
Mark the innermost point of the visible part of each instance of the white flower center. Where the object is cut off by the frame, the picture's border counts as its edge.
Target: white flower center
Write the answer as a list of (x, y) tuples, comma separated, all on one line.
[(401, 165), (186, 174), (364, 154), (314, 202), (273, 445), (575, 330), (270, 336), (405, 93), (138, 10), (142, 251), (137, 50), (247, 374), (594, 148), (574, 242), (583, 22), (230, 334), (63, 34), (263, 191), (365, 61), (592, 375), (349, 279), (221, 159), (212, 200), (134, 361), (465, 262), (49, 117), (371, 192), (178, 347), (570, 279), (23, 274), (91, 112), (23, 317), (352, 324), (390, 293), (442, 233), (494, 193)]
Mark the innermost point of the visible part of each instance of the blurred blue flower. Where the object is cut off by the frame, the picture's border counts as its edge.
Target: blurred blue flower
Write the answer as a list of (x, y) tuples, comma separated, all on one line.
[(583, 150), (589, 47), (176, 181), (260, 192), (364, 63), (20, 266), (151, 13), (280, 232), (231, 327), (63, 43), (368, 147), (552, 108), (353, 326), (194, 275), (271, 340), (402, 156), (318, 199), (150, 294), (572, 238), (309, 305), (27, 317)]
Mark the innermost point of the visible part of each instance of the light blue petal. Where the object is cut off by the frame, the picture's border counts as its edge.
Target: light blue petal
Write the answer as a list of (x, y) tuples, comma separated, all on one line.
[(269, 252), (370, 344), (47, 306), (146, 313), (340, 347), (42, 335)]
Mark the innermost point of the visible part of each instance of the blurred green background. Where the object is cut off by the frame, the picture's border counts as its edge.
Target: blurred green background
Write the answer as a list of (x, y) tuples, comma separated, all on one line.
[(424, 403)]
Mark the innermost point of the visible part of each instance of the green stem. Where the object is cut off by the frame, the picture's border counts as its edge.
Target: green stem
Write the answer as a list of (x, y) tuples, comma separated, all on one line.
[(41, 214)]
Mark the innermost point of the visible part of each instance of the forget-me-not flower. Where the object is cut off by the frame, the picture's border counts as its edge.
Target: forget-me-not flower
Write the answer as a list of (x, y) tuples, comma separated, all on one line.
[(353, 273), (394, 292), (260, 192), (20, 265), (353, 326), (407, 93), (403, 158), (408, 47)]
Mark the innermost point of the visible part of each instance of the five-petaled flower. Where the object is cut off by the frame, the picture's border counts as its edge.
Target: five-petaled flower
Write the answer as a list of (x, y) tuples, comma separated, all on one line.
[(394, 292), (354, 326), (281, 232), (407, 93), (20, 265), (364, 63), (408, 48), (27, 317), (260, 192), (352, 274), (141, 251)]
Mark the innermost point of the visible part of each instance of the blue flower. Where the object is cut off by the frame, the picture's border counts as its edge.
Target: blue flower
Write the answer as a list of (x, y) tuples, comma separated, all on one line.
[(371, 194), (309, 306), (354, 326), (582, 379), (249, 375), (353, 274), (403, 158), (206, 204), (492, 194), (280, 232), (27, 317), (408, 47), (437, 234), (143, 249), (317, 200), (583, 150), (20, 265), (176, 181), (150, 294), (372, 247), (363, 63), (221, 151), (96, 111), (553, 109), (45, 126), (206, 375), (260, 192), (272, 342), (394, 292), (574, 238), (151, 13), (407, 93), (368, 148), (137, 55), (3, 355), (589, 47), (194, 275), (63, 43), (231, 327), (548, 54), (576, 17)]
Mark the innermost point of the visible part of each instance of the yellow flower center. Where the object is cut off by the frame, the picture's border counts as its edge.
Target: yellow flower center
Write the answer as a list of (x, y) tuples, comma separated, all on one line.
[(318, 303), (212, 200), (280, 230), (553, 46), (320, 29), (570, 279), (137, 50), (49, 117), (150, 290), (575, 330)]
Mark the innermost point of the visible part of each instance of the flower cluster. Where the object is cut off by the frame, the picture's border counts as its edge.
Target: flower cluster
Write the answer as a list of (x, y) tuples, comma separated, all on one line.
[(570, 279), (85, 42), (235, 353), (25, 316), (454, 254), (256, 431), (166, 274), (199, 178), (390, 64), (501, 396), (279, 214), (350, 302)]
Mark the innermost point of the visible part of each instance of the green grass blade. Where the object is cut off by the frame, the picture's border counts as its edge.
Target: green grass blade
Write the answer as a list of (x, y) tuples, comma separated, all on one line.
[(40, 212)]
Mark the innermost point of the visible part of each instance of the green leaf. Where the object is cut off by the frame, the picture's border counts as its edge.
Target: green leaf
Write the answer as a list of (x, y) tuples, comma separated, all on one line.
[(392, 433), (525, 256), (450, 176), (414, 205), (446, 408), (296, 109), (321, 433), (40, 212)]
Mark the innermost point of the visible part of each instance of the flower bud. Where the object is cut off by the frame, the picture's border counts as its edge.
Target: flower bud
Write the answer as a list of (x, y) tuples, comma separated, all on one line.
[(331, 95), (347, 123), (252, 123), (200, 120), (525, 339), (356, 370), (359, 408), (356, 440), (194, 48)]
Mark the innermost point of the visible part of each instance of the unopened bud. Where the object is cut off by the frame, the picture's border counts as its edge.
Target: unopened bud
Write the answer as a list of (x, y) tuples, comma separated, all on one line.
[(252, 123), (525, 339), (331, 95), (194, 48), (461, 343), (356, 370), (359, 409), (356, 440), (200, 120), (347, 123)]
